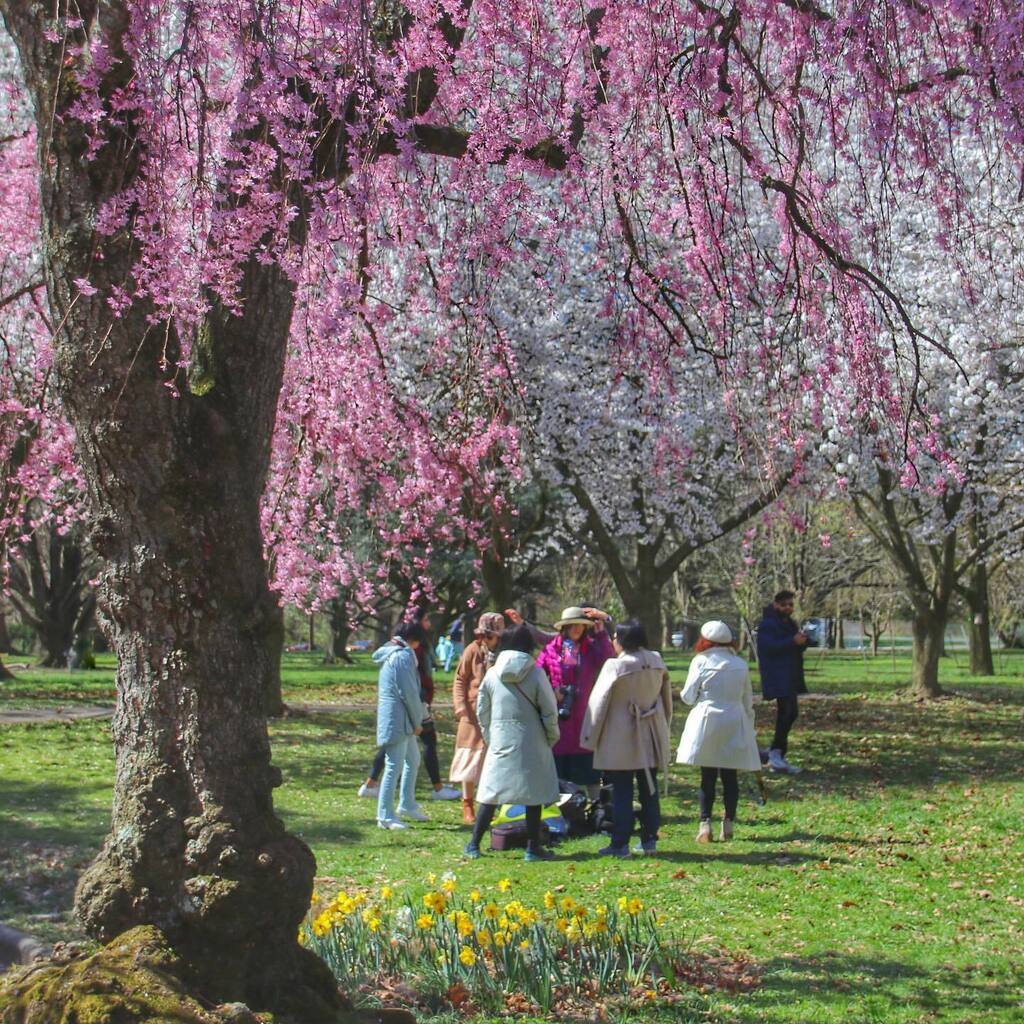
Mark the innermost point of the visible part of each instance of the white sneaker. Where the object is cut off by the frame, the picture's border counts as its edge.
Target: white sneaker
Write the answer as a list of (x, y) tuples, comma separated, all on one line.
[(777, 762), (391, 824), (445, 793), (791, 768), (413, 814), (367, 790)]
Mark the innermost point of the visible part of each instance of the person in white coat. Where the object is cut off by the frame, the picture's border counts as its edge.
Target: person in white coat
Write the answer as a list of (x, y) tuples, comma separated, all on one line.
[(627, 726), (719, 734)]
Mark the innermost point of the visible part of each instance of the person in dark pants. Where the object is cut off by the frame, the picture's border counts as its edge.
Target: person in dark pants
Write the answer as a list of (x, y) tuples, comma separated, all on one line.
[(626, 724), (518, 717), (780, 655), (428, 737), (730, 793), (719, 735)]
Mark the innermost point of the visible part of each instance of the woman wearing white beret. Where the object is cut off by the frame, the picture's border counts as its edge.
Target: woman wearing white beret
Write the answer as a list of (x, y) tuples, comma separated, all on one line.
[(719, 734)]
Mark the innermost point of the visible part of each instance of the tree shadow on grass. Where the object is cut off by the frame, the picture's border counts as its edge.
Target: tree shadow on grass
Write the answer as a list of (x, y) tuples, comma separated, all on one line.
[(81, 810), (879, 983), (754, 858)]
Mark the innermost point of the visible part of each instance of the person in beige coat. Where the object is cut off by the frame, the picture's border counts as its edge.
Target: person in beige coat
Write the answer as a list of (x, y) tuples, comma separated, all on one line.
[(468, 760), (627, 726)]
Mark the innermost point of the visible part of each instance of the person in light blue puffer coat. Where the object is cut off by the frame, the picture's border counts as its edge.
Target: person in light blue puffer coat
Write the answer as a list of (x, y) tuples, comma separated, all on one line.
[(399, 721)]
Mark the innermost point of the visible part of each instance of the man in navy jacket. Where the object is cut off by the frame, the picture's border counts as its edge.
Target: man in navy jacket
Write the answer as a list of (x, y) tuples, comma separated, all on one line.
[(780, 655)]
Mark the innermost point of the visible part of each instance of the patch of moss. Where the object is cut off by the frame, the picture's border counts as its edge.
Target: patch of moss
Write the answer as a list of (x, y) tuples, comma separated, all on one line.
[(136, 979), (130, 981)]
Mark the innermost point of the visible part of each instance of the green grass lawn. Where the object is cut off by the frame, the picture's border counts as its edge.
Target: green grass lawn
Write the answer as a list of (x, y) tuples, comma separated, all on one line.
[(886, 883), (307, 680)]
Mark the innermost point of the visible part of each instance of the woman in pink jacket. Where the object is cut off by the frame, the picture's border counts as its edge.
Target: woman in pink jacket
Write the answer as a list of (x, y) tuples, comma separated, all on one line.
[(572, 661)]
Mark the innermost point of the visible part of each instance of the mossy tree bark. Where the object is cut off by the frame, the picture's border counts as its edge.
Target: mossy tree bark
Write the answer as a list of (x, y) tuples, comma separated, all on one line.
[(173, 491)]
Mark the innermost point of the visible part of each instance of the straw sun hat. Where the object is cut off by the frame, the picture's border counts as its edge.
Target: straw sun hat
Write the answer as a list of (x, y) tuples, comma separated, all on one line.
[(573, 616)]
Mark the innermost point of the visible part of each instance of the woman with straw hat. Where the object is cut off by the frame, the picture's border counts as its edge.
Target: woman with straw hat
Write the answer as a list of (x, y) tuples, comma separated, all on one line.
[(719, 733), (572, 661), (468, 760)]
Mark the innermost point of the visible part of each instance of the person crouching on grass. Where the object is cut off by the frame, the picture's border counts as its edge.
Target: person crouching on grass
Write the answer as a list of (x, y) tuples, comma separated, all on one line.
[(399, 721), (719, 733)]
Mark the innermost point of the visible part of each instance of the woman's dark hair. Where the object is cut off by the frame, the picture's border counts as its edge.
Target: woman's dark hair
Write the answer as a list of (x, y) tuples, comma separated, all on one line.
[(517, 638), (410, 632), (631, 635)]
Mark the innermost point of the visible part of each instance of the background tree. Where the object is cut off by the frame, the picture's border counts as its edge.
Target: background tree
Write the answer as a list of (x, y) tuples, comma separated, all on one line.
[(50, 585)]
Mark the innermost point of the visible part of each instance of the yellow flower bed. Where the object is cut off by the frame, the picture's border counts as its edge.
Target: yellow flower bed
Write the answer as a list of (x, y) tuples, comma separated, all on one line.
[(487, 944)]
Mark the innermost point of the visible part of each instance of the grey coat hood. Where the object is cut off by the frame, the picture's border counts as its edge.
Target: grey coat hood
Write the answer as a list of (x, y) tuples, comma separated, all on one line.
[(512, 666)]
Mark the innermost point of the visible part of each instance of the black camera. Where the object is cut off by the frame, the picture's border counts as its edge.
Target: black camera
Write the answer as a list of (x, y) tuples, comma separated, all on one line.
[(567, 701)]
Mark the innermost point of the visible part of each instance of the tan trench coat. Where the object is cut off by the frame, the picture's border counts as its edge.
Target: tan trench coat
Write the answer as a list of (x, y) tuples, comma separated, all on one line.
[(628, 714), (469, 675)]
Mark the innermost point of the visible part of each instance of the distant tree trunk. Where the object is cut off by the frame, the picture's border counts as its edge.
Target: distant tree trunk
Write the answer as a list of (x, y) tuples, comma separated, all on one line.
[(49, 585), (498, 580), (975, 593), (340, 626), (643, 602), (979, 628), (5, 646), (929, 630), (5, 636), (273, 696)]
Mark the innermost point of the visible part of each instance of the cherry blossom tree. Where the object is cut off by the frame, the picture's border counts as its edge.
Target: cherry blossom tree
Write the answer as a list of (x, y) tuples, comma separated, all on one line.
[(207, 171), (947, 505)]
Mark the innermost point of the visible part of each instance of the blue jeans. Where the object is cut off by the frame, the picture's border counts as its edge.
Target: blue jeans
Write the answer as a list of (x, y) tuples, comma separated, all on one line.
[(622, 806), (401, 756)]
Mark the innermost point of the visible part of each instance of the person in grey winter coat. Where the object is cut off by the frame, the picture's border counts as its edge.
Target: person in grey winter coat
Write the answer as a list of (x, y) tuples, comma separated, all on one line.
[(518, 716), (399, 721)]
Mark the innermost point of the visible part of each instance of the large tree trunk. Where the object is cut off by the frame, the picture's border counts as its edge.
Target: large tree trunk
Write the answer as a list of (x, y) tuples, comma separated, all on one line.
[(173, 491), (979, 628), (174, 485), (929, 629)]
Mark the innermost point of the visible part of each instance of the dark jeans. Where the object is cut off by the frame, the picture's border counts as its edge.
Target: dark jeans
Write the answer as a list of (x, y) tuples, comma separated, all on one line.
[(622, 806), (786, 712), (578, 768), (429, 740), (730, 791), (485, 815)]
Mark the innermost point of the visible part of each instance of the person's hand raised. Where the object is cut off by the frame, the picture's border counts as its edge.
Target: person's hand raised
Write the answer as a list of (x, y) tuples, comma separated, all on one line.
[(513, 616)]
